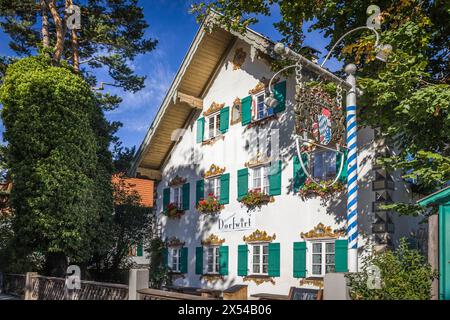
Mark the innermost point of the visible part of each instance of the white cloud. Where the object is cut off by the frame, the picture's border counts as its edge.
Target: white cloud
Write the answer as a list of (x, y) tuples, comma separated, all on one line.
[(137, 110)]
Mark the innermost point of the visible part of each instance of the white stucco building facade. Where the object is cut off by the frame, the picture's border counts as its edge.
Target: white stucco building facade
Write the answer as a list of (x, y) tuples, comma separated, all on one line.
[(288, 242)]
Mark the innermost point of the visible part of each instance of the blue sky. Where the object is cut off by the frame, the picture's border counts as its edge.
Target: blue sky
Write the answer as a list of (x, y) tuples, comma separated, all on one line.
[(173, 26)]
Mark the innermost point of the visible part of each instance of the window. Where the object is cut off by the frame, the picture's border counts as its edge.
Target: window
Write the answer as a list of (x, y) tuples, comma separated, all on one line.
[(212, 186), (236, 114), (175, 259), (322, 258), (214, 125), (262, 110), (260, 259), (261, 179), (212, 259), (177, 197), (324, 165)]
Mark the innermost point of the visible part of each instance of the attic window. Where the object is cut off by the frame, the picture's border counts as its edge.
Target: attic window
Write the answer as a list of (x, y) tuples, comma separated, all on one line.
[(236, 111)]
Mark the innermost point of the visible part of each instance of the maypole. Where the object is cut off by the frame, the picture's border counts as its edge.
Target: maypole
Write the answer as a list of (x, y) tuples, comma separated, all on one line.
[(352, 171), (351, 128)]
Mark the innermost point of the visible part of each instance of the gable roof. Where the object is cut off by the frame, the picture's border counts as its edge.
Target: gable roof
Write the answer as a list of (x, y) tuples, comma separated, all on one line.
[(184, 98)]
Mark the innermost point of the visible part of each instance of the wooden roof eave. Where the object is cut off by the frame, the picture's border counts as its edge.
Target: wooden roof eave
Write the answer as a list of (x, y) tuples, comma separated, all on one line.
[(169, 96), (256, 40)]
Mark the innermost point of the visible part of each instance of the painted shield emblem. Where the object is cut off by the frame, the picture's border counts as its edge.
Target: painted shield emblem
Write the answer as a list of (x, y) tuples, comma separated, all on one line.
[(325, 126)]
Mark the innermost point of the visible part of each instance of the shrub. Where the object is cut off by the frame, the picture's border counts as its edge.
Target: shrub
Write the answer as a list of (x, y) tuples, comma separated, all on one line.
[(405, 275)]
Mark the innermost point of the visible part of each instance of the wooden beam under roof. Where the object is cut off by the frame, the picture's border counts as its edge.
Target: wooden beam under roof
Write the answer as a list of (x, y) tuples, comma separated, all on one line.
[(192, 101), (149, 173)]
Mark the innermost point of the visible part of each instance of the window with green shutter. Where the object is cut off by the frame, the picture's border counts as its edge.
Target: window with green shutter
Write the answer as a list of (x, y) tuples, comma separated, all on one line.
[(140, 249), (279, 91), (275, 179), (242, 183), (246, 110), (242, 260), (224, 119), (341, 255), (299, 175), (225, 188), (299, 259), (274, 260), (166, 198), (165, 257), (186, 196), (184, 260), (223, 260), (199, 190), (200, 129), (199, 260), (339, 158)]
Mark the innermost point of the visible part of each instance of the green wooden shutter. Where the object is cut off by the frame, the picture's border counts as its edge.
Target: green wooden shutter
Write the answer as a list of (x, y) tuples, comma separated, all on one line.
[(242, 260), (275, 179), (140, 249), (225, 188), (246, 110), (279, 91), (242, 183), (165, 257), (200, 129), (199, 190), (223, 260), (339, 159), (300, 259), (224, 119), (340, 255), (184, 260), (166, 198), (199, 260), (299, 175), (186, 194), (274, 260)]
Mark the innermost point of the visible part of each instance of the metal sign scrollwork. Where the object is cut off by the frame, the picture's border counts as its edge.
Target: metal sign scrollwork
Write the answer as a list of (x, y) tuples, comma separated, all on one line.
[(320, 121)]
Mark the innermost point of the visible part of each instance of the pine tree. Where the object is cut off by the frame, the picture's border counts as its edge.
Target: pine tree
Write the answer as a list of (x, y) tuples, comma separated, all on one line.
[(111, 34)]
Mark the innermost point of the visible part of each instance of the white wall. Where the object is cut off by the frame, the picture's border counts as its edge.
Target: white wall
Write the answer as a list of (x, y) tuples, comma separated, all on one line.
[(288, 216)]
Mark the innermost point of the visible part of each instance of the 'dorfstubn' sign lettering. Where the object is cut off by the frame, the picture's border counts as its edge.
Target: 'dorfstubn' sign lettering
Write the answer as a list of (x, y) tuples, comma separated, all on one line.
[(236, 222)]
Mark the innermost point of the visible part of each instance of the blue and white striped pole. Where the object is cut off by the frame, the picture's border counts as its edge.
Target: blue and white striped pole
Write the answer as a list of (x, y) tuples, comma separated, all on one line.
[(352, 171)]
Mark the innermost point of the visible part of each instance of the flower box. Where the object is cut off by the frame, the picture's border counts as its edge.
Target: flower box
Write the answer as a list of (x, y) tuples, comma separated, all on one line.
[(209, 205), (311, 189), (255, 199), (173, 212)]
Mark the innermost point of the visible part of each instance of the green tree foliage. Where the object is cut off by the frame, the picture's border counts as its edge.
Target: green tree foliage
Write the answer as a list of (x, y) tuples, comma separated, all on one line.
[(111, 34), (58, 158), (407, 99), (404, 275), (130, 224), (159, 272), (123, 158)]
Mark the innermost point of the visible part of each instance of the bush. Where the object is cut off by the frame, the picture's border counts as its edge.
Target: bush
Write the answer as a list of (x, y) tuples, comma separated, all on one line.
[(405, 275), (58, 160), (159, 272)]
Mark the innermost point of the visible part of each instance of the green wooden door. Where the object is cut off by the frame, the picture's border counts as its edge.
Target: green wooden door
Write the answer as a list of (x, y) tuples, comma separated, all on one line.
[(444, 251)]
